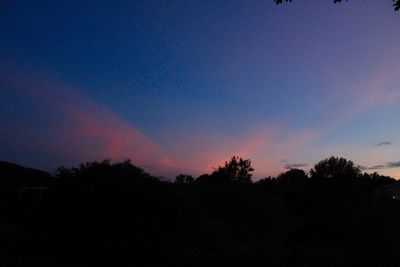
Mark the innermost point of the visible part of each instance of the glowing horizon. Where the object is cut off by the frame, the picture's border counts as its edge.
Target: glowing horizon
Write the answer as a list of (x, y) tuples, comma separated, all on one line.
[(181, 88)]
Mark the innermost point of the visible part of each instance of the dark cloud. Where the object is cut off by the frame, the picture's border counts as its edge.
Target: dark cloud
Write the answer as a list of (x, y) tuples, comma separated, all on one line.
[(386, 143), (289, 166), (395, 164), (363, 168), (387, 165), (377, 167)]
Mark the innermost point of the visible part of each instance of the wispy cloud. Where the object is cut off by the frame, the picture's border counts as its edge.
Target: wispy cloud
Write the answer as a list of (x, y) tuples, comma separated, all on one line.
[(89, 131), (387, 165), (92, 131), (289, 166), (375, 167), (378, 88), (395, 164), (265, 147), (384, 143)]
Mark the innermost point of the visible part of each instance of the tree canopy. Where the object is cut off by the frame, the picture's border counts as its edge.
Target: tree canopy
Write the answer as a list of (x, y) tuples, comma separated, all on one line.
[(334, 167), (236, 169), (396, 3), (184, 179)]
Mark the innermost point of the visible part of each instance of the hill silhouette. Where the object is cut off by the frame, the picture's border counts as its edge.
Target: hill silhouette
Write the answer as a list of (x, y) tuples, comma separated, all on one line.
[(14, 177), (112, 214)]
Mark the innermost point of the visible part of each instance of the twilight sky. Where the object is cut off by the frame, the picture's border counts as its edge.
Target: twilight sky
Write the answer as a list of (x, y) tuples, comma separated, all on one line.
[(180, 86)]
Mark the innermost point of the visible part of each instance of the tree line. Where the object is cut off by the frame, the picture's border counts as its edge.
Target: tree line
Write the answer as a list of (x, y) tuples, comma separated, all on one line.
[(117, 214)]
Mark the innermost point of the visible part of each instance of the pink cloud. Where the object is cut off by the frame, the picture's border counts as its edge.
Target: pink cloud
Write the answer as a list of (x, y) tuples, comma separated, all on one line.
[(378, 88), (265, 147), (88, 131), (268, 149)]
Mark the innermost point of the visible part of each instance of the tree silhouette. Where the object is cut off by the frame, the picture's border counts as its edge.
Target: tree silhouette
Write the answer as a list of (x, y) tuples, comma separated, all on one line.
[(396, 3), (237, 169), (335, 167), (293, 177), (184, 179)]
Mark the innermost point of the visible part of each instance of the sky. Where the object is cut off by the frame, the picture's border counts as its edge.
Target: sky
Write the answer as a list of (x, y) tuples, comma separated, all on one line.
[(181, 86)]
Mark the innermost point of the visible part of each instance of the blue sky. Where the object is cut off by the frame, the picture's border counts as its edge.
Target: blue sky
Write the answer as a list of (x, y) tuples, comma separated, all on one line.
[(180, 86)]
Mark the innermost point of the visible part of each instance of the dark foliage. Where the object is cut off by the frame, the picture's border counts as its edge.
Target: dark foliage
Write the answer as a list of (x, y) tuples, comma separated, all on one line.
[(104, 214), (396, 3), (335, 168), (236, 170), (184, 179)]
